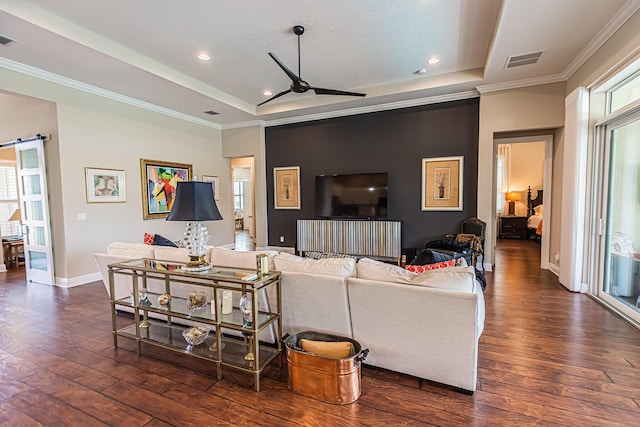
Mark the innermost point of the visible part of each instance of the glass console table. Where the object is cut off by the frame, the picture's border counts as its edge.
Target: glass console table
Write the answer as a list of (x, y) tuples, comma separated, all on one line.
[(159, 325)]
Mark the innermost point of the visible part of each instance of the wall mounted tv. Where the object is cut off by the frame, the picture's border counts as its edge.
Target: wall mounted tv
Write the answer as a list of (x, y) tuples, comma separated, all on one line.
[(352, 196)]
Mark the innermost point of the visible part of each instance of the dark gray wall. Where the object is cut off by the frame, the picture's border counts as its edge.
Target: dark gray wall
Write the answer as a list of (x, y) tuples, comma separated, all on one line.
[(392, 141)]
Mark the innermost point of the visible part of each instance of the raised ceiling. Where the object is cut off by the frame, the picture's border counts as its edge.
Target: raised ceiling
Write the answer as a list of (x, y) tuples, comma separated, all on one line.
[(144, 51)]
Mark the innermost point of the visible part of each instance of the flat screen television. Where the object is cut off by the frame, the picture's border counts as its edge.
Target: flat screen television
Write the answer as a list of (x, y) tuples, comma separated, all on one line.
[(352, 196)]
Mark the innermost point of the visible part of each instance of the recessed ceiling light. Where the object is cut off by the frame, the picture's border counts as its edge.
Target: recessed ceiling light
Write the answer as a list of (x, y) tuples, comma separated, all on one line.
[(267, 93), (203, 56), (433, 60), (421, 71)]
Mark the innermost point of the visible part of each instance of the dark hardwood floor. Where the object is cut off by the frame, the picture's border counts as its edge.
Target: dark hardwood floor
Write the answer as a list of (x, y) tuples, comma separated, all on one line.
[(547, 357)]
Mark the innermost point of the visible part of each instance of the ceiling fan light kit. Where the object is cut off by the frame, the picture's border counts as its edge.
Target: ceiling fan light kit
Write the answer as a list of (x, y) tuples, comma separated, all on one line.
[(298, 85)]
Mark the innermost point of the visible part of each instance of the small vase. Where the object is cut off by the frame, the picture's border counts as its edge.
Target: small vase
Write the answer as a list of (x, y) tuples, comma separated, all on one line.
[(246, 308)]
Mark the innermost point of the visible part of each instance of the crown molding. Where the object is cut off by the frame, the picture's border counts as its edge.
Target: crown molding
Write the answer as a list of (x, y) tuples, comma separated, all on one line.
[(74, 84), (251, 123), (373, 108), (605, 34), (515, 84)]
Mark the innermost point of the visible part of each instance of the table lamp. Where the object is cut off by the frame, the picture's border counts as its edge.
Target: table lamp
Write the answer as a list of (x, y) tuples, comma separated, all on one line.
[(195, 203), (513, 197)]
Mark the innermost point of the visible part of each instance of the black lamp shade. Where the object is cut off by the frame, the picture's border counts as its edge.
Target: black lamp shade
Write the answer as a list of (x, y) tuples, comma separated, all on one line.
[(194, 202)]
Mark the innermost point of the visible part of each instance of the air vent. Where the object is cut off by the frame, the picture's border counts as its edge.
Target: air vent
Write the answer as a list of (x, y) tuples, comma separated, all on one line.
[(5, 40), (211, 113), (517, 61)]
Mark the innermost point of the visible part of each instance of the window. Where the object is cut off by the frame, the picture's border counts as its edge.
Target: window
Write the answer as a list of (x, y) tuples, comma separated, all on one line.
[(238, 195), (8, 201), (503, 172), (625, 93)]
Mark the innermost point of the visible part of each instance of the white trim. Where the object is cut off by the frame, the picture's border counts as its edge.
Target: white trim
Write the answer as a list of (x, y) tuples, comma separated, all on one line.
[(251, 123), (574, 182), (375, 108), (487, 266), (515, 84), (605, 34), (78, 280), (74, 84), (3, 268), (554, 269)]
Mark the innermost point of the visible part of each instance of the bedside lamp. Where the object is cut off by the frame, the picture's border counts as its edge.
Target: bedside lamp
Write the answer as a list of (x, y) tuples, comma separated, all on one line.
[(513, 197), (195, 203), (17, 216)]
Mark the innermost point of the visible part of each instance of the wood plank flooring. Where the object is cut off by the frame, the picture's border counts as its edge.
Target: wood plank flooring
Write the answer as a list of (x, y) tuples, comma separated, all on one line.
[(547, 357)]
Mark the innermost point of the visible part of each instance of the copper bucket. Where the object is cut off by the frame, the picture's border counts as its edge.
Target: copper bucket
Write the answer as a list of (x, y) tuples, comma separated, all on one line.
[(330, 380)]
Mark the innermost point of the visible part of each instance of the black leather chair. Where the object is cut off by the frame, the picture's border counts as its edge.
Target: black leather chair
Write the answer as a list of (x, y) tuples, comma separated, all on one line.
[(476, 227)]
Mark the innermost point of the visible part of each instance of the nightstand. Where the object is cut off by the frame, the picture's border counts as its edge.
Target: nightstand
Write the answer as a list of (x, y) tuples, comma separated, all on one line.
[(513, 226)]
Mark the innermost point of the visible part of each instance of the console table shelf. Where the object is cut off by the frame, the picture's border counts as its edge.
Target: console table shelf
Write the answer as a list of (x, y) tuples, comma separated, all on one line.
[(161, 331)]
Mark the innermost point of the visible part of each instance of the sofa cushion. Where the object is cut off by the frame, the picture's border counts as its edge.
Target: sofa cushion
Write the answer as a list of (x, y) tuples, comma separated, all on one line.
[(166, 253), (239, 259), (131, 250), (341, 267), (461, 279)]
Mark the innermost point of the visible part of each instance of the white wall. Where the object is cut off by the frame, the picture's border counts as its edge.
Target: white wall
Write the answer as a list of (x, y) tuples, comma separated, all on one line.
[(249, 142), (523, 109), (92, 131)]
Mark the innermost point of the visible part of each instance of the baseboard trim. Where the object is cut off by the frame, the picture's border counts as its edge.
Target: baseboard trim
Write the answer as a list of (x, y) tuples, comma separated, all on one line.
[(554, 269), (78, 281)]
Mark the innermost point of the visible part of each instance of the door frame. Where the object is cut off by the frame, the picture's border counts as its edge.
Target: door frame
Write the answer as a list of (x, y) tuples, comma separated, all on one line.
[(546, 190)]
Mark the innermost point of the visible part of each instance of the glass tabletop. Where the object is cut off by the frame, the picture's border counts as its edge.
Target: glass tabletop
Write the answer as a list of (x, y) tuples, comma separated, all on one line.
[(214, 273)]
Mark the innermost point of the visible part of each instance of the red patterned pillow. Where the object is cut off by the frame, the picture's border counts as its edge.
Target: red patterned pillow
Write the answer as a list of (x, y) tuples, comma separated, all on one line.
[(148, 238), (422, 268)]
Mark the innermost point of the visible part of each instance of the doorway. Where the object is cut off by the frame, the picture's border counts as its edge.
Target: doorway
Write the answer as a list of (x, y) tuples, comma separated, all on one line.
[(522, 163), (242, 170)]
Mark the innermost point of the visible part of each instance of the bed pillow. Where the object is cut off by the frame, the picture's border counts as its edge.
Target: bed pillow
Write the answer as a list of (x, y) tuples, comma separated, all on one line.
[(538, 210)]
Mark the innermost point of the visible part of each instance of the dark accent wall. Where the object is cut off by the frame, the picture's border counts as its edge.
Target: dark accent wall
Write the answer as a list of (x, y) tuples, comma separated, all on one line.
[(392, 141)]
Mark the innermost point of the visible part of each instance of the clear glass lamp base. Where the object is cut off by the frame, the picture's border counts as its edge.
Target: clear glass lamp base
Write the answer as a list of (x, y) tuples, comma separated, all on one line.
[(195, 239)]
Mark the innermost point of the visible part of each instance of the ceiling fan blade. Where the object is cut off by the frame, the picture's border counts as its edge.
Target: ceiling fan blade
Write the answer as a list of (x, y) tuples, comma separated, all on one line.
[(289, 73), (284, 92), (322, 91)]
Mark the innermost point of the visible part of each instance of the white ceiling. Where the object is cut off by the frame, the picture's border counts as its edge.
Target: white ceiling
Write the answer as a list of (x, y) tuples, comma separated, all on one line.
[(143, 51)]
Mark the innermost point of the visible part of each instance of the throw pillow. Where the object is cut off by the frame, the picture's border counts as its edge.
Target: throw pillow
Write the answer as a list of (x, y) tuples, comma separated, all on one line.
[(148, 239), (430, 256), (422, 268), (159, 240), (334, 350)]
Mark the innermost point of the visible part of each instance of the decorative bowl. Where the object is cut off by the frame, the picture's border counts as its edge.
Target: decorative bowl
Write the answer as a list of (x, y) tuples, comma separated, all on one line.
[(197, 335)]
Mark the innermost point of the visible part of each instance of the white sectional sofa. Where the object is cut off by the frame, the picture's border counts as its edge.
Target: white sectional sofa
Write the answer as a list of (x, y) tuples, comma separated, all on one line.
[(426, 325)]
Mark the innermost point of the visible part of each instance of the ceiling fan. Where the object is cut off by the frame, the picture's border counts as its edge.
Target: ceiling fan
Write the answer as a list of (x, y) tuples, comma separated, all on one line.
[(297, 84)]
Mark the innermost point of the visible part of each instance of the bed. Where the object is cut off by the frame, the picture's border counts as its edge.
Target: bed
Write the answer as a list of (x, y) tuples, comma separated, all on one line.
[(534, 214)]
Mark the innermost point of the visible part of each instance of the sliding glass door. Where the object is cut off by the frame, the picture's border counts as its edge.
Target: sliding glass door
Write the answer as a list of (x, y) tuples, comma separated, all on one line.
[(620, 215)]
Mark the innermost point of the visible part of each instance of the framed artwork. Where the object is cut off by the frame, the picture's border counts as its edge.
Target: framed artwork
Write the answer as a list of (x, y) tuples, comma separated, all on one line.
[(286, 186), (215, 183), (159, 180), (442, 183), (105, 185)]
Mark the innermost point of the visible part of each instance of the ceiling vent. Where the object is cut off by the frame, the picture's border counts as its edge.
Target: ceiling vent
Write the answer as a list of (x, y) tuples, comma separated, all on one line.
[(5, 40), (519, 60), (211, 113)]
